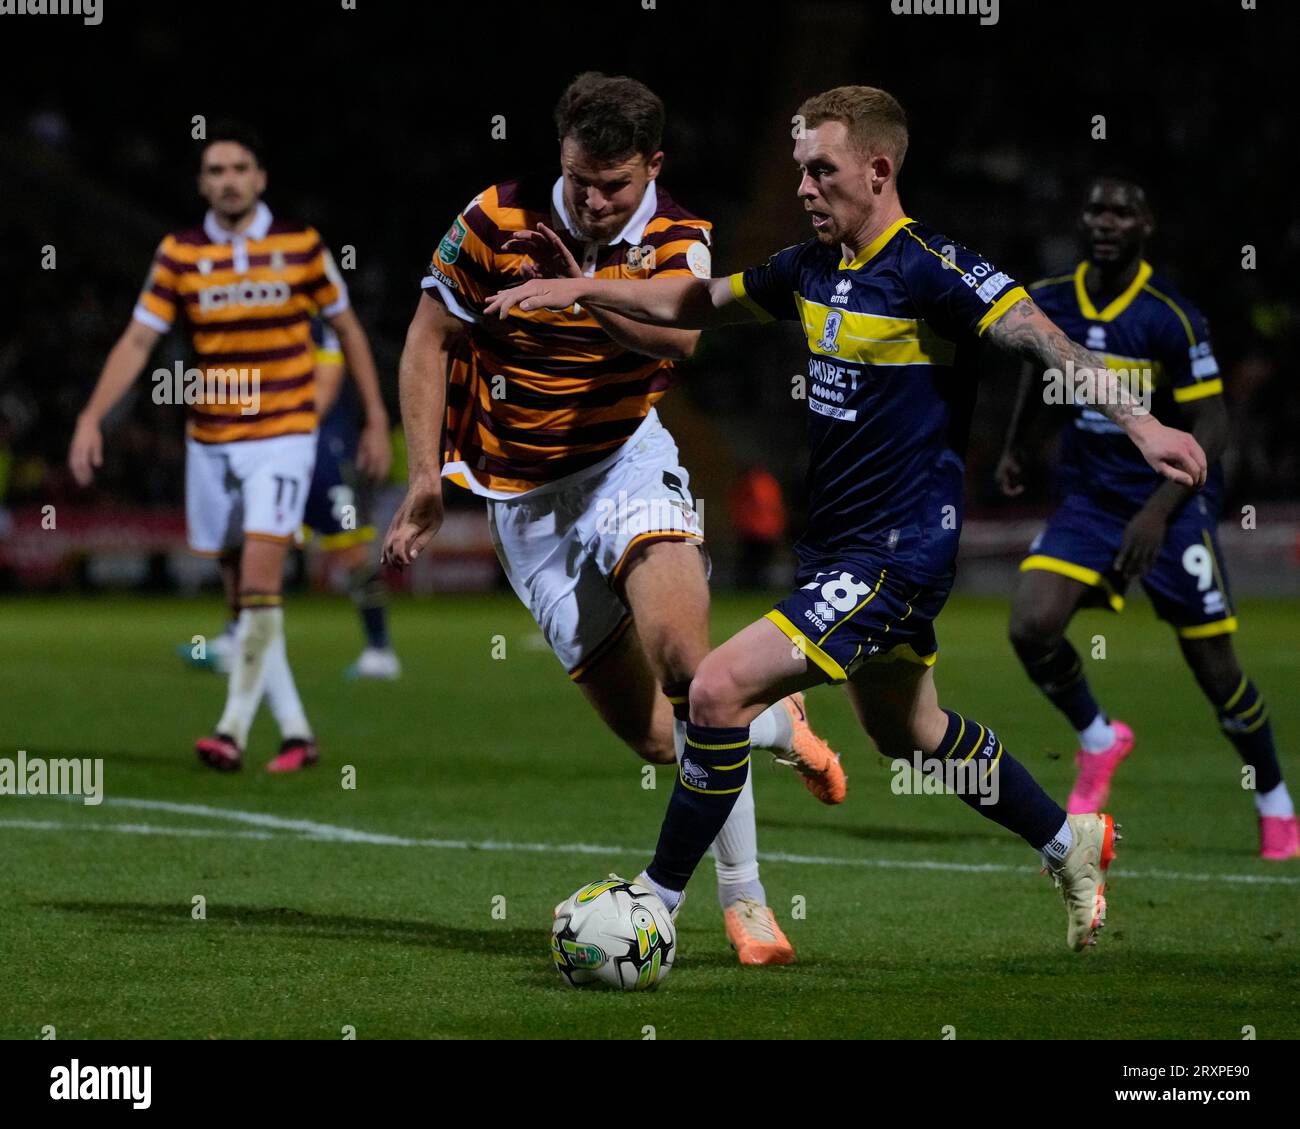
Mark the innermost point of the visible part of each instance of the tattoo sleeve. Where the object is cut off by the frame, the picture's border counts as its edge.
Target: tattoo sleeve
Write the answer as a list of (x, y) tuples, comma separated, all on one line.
[(1027, 332)]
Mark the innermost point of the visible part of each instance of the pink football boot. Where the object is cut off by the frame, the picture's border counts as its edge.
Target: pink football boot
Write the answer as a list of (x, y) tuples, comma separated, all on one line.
[(1092, 785)]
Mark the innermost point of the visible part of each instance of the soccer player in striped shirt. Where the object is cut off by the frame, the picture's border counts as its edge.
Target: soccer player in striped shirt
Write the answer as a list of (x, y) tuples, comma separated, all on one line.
[(893, 313), (549, 416), (1119, 521), (247, 285)]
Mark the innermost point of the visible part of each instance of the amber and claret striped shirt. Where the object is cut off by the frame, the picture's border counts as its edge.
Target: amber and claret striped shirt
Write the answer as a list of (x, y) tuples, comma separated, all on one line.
[(248, 300), (548, 394)]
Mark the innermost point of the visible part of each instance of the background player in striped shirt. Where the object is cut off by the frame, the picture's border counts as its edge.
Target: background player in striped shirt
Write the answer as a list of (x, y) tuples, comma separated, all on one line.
[(247, 285), (1118, 521), (550, 417), (893, 313), (336, 520)]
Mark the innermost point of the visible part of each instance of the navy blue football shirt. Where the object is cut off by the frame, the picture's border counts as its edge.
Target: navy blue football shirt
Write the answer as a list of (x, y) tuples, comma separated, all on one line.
[(892, 372), (1148, 328)]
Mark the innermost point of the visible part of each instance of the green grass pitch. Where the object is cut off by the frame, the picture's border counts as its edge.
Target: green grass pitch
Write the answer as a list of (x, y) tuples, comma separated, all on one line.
[(417, 904)]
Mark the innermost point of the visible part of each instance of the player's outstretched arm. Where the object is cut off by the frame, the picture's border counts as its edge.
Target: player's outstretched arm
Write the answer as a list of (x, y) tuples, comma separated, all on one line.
[(125, 362), (422, 383), (548, 257), (1029, 333), (686, 303)]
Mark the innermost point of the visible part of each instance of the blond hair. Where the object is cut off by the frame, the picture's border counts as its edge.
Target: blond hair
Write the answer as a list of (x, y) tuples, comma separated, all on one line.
[(875, 119)]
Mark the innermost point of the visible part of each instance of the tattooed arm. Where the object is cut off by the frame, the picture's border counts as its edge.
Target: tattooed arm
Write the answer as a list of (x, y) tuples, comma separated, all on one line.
[(1027, 332)]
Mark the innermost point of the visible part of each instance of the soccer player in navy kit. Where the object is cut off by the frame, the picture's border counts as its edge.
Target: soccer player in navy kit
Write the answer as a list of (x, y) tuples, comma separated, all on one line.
[(1119, 522), (337, 515), (892, 312)]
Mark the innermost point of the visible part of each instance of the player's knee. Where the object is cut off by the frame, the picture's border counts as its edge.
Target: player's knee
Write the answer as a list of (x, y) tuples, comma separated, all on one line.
[(715, 697), (1215, 667), (672, 657), (655, 749), (1032, 628)]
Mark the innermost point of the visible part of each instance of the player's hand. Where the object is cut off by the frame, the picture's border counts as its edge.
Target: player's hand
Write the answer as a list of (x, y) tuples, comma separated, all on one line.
[(537, 294), (548, 257), (1143, 536), (86, 452), (415, 524), (375, 450), (1173, 453), (1010, 473)]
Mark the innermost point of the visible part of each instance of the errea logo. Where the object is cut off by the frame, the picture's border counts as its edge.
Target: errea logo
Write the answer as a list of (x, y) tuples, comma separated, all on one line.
[(841, 295), (694, 775)]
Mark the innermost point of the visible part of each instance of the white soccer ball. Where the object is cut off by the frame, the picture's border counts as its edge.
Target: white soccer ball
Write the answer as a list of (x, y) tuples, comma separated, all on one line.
[(613, 932)]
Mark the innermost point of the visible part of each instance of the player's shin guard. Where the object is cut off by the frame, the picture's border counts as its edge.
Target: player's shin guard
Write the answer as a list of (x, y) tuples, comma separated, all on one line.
[(1244, 720), (710, 779), (735, 850), (366, 587), (282, 693), (1057, 670), (995, 784), (260, 622)]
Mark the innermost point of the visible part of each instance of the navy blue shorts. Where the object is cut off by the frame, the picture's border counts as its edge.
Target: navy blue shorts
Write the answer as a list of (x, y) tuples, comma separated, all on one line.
[(849, 614), (338, 512), (1187, 585)]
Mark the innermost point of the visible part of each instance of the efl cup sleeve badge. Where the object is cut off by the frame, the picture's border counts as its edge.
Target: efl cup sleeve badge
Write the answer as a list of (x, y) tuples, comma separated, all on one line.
[(449, 248), (699, 260)]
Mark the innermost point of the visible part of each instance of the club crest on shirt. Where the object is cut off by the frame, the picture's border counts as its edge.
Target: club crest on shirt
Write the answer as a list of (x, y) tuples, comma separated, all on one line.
[(830, 331), (640, 260)]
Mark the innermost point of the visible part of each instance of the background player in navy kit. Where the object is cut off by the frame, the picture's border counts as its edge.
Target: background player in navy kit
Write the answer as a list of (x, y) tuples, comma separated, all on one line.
[(1119, 522), (891, 326), (337, 518)]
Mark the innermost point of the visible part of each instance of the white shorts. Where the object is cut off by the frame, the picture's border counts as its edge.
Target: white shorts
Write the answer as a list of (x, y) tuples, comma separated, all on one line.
[(564, 549), (254, 488)]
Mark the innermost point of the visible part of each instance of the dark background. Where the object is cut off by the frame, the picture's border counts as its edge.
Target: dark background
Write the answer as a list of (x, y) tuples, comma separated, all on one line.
[(378, 124)]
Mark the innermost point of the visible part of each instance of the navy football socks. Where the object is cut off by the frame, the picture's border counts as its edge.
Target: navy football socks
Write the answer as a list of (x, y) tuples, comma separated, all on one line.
[(1004, 791), (710, 778), (1058, 673), (1244, 720)]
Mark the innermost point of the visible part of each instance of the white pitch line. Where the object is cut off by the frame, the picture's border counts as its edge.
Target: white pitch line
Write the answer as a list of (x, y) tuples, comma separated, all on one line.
[(311, 831), (133, 829)]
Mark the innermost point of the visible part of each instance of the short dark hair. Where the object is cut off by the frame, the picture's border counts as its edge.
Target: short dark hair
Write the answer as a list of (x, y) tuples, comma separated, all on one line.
[(1127, 175), (610, 116), (227, 129)]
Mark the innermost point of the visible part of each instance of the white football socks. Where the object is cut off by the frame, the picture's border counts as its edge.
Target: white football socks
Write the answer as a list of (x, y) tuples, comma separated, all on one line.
[(1058, 846), (1098, 736), (1276, 802), (735, 850), (282, 693), (257, 631), (773, 729), (670, 898)]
